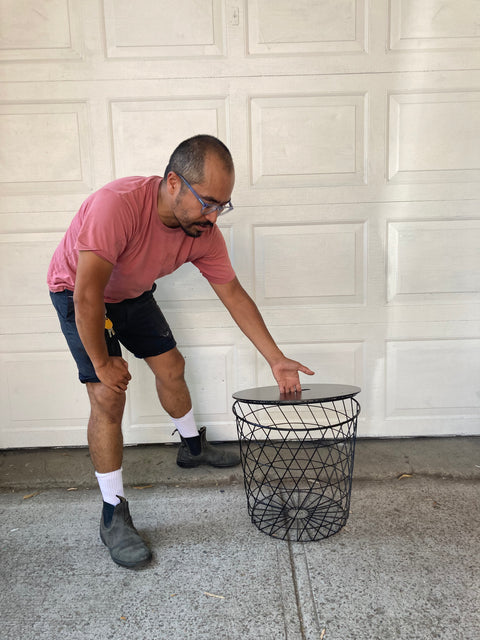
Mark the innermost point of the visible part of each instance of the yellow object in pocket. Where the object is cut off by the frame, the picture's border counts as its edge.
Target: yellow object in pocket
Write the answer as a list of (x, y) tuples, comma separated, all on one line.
[(109, 327)]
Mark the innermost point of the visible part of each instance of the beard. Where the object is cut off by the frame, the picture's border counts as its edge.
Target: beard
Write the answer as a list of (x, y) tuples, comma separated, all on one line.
[(191, 229)]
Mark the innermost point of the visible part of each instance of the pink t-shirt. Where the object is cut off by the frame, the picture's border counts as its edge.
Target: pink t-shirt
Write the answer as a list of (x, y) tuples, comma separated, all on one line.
[(120, 223)]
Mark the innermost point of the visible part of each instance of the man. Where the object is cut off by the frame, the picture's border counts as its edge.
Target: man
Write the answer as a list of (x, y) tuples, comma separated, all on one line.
[(101, 280)]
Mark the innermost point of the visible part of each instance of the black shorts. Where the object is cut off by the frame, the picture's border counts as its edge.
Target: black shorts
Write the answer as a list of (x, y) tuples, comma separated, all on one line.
[(138, 325)]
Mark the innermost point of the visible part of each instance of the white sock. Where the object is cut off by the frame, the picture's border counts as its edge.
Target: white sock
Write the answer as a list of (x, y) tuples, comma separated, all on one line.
[(186, 426), (111, 486)]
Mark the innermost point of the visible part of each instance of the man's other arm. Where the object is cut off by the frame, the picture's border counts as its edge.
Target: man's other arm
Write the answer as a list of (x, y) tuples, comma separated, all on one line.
[(247, 316)]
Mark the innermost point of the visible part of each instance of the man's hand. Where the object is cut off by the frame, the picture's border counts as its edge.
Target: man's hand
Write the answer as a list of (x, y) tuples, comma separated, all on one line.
[(114, 374), (286, 371)]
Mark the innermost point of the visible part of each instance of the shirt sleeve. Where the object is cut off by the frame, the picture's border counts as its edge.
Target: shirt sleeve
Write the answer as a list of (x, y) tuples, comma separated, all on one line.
[(214, 264), (107, 225)]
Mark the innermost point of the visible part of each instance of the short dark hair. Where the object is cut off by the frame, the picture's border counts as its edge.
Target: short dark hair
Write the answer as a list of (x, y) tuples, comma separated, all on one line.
[(188, 159)]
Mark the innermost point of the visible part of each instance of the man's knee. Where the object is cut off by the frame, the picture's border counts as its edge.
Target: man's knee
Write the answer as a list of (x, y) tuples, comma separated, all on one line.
[(173, 376), (105, 402), (178, 364), (169, 368)]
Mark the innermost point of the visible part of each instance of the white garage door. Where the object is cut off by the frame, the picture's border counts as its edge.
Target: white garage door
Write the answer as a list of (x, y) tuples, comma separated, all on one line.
[(354, 126)]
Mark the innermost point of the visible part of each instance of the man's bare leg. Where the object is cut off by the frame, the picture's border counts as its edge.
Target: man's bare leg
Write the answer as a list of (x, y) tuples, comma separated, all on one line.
[(105, 442), (105, 439), (175, 398), (172, 389)]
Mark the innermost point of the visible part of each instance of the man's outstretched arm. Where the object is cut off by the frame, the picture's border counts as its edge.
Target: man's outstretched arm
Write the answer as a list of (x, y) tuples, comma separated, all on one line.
[(247, 316)]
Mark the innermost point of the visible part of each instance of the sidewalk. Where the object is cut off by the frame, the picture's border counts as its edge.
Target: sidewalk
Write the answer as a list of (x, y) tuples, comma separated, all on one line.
[(155, 464), (405, 566)]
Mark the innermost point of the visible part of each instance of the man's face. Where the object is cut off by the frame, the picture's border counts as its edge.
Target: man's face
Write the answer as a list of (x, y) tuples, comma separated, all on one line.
[(216, 188)]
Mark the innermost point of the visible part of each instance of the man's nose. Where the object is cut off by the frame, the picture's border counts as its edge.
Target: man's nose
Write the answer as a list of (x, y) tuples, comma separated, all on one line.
[(212, 217)]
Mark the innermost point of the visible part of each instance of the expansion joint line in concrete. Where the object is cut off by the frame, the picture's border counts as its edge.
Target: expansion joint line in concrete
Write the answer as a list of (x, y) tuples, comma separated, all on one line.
[(306, 608)]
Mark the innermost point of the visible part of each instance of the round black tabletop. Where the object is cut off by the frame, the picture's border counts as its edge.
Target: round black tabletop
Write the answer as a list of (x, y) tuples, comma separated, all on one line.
[(309, 393)]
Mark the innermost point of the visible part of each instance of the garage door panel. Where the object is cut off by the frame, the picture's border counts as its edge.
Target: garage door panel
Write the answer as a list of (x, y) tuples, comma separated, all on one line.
[(145, 132), (45, 146), (278, 27), (433, 378), (434, 25), (308, 140), (332, 269), (434, 261), (430, 137), (193, 29), (29, 33), (42, 402)]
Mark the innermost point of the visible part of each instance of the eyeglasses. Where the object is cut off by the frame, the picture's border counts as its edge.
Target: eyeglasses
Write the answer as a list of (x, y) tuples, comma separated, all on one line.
[(219, 209)]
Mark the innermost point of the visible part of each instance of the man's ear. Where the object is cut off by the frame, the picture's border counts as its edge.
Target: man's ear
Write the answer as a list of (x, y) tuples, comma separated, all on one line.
[(174, 184)]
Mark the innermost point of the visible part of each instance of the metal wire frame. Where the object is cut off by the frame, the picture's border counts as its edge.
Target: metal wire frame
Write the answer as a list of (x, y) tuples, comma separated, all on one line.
[(297, 465)]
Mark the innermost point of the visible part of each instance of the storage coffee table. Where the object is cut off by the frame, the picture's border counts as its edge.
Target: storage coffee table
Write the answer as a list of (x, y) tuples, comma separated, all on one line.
[(297, 453)]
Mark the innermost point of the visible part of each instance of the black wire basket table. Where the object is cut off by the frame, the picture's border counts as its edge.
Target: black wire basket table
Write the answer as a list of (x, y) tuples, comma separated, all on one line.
[(297, 452)]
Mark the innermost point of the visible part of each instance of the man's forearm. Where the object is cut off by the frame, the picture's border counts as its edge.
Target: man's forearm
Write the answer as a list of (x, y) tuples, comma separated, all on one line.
[(249, 319), (90, 320), (247, 316)]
